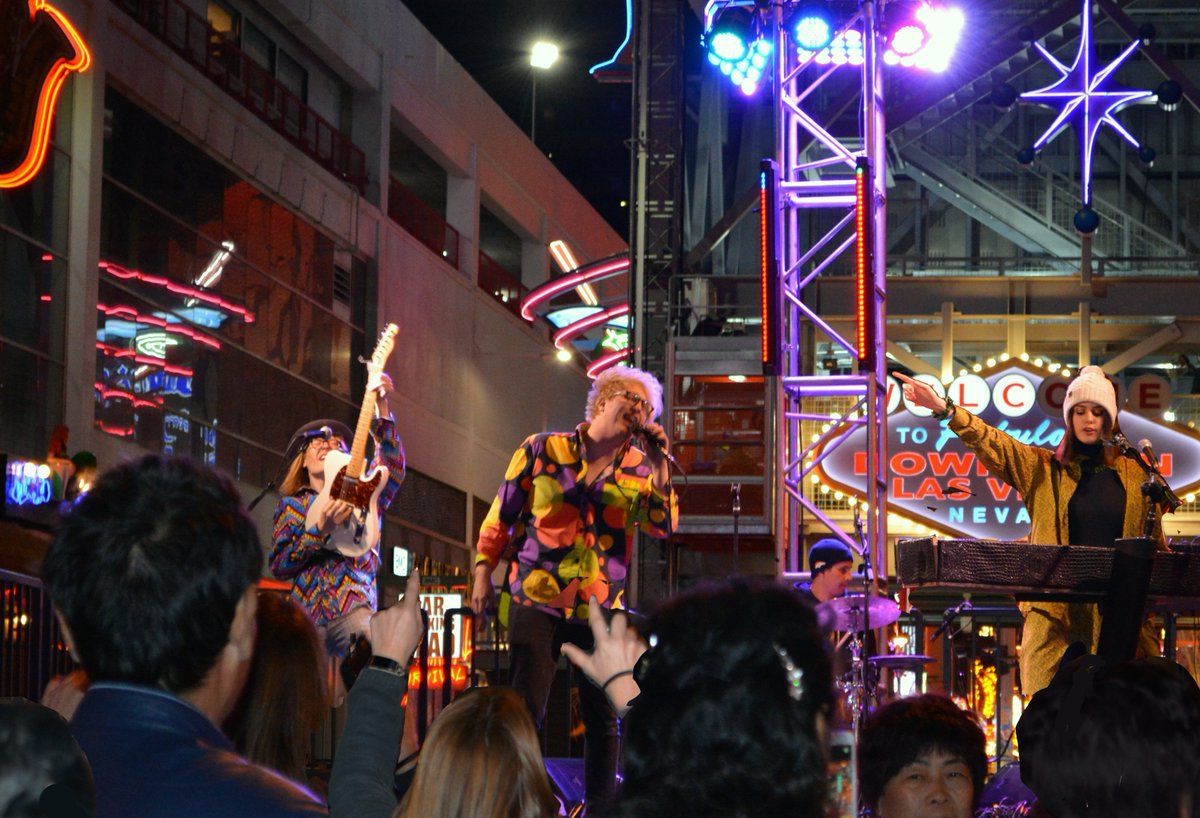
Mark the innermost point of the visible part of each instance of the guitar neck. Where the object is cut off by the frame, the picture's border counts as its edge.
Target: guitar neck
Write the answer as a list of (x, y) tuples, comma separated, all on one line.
[(358, 449)]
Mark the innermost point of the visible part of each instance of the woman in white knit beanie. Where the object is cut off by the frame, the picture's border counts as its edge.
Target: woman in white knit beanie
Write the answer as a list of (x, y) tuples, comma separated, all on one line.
[(1082, 493)]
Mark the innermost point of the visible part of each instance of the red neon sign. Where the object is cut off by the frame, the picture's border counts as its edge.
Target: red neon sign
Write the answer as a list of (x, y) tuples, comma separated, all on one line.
[(37, 36)]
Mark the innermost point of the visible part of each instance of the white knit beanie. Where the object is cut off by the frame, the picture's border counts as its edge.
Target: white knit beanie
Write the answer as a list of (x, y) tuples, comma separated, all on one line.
[(1091, 385)]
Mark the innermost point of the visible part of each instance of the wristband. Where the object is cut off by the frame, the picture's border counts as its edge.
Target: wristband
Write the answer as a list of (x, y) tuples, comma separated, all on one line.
[(390, 665), (614, 677), (947, 412)]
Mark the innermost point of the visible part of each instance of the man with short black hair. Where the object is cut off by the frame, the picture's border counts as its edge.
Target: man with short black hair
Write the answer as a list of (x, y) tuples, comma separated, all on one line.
[(153, 579), (831, 563)]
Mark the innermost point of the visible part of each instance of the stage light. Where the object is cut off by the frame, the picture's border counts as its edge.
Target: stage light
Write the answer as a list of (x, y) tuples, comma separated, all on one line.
[(846, 49), (731, 34), (923, 35), (908, 38), (811, 26)]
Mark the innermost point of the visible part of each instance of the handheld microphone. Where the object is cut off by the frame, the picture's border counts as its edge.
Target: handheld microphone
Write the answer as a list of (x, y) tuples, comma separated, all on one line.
[(648, 438), (324, 432), (1148, 451), (950, 616)]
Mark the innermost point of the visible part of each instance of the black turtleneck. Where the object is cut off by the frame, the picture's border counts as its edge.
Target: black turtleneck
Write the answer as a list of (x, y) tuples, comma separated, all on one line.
[(1096, 511)]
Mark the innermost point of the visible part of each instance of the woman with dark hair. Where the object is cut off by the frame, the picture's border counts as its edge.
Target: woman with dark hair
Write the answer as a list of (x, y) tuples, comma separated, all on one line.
[(1082, 493), (286, 695), (731, 704), (481, 760), (921, 757)]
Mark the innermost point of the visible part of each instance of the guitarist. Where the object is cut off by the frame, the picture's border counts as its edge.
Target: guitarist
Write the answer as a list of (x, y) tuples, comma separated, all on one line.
[(337, 591)]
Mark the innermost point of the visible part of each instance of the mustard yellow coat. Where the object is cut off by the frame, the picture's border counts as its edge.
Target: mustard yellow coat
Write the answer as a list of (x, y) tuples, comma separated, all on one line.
[(1046, 487)]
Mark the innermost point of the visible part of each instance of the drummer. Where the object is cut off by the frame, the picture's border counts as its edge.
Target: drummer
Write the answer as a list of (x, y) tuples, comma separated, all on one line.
[(832, 565)]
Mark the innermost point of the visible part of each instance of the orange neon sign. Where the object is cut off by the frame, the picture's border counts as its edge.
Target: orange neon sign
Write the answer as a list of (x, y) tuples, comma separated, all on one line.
[(45, 36)]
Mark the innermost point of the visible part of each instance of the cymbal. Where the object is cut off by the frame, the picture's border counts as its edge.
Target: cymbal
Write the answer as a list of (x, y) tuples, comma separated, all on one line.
[(846, 613), (901, 661)]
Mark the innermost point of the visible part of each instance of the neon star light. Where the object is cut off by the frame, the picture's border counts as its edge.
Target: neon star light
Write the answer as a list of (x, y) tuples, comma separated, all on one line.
[(1087, 97)]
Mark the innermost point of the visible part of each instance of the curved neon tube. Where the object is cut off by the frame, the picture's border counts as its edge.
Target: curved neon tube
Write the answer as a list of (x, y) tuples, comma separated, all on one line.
[(53, 83)]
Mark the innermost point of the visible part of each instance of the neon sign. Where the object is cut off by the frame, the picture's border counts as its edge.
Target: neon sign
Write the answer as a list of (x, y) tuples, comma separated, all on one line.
[(934, 479), (28, 484), (39, 55)]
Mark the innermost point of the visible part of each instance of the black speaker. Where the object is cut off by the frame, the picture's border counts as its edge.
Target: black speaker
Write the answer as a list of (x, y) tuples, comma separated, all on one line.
[(567, 781)]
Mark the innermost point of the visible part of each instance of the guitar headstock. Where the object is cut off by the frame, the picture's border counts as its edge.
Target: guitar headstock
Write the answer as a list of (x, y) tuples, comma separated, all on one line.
[(387, 341)]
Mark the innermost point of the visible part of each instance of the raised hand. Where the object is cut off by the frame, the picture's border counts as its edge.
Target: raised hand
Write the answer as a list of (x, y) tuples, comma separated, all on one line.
[(920, 394), (610, 664), (395, 632)]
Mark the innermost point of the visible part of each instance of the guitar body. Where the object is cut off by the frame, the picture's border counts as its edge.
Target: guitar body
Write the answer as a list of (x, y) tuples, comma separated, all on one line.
[(360, 533)]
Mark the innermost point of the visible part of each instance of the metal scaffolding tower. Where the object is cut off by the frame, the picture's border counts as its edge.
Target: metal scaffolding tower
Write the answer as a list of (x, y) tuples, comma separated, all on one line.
[(817, 174)]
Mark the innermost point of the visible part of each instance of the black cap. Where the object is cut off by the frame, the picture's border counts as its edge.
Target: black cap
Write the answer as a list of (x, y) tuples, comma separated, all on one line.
[(826, 553)]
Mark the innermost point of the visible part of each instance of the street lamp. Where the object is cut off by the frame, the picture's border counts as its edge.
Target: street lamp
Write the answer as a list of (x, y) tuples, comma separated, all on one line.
[(543, 56)]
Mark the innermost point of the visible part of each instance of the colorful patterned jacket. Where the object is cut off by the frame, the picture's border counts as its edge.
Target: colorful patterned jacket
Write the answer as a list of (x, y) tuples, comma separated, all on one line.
[(568, 541), (328, 584)]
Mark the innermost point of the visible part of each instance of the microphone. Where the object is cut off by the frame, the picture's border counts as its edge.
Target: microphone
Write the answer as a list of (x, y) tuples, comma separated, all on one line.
[(651, 441), (949, 617), (1122, 444), (324, 432), (1148, 451)]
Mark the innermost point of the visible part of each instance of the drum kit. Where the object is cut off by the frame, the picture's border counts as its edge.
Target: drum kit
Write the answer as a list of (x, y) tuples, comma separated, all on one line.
[(856, 615)]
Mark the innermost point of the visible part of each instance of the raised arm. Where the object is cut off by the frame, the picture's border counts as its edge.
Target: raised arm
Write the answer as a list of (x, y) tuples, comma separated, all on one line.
[(361, 783)]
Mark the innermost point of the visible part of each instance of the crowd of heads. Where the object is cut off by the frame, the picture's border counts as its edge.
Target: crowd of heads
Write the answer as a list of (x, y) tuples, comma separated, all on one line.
[(731, 719)]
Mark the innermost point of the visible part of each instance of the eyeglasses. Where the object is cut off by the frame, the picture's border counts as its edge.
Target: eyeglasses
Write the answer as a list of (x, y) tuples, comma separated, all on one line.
[(328, 443), (637, 400)]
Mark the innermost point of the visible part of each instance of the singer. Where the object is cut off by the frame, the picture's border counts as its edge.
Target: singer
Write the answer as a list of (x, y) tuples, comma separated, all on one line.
[(337, 591), (565, 514), (1082, 493)]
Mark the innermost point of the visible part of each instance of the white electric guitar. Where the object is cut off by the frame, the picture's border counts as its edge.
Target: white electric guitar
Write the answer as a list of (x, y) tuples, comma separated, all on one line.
[(345, 478)]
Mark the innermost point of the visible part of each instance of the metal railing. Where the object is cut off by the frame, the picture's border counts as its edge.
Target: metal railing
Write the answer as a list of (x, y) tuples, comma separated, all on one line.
[(426, 225), (190, 36), (1043, 193), (500, 284), (32, 650)]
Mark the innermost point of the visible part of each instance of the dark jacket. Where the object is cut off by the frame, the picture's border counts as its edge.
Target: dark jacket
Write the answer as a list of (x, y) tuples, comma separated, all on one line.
[(153, 755)]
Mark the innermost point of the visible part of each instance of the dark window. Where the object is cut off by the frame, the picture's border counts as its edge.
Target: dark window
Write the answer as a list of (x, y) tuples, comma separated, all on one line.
[(258, 46), (291, 75), (204, 349)]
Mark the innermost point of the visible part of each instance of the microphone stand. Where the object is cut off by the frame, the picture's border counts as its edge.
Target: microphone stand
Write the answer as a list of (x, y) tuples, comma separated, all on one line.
[(735, 500), (1133, 560), (1155, 486)]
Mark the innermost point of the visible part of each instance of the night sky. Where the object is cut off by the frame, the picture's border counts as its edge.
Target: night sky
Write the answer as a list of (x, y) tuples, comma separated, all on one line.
[(582, 124)]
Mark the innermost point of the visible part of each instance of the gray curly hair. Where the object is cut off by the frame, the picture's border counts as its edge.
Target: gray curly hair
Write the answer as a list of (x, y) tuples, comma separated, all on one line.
[(615, 380)]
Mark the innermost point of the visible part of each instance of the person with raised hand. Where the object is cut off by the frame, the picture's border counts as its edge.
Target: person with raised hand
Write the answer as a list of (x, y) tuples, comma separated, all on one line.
[(1080, 493)]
